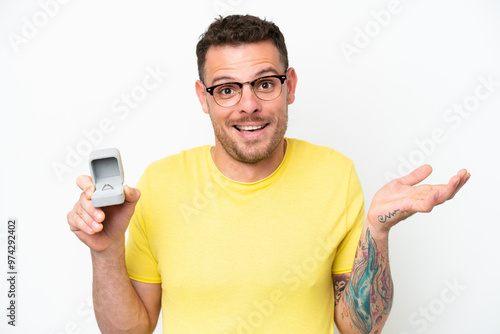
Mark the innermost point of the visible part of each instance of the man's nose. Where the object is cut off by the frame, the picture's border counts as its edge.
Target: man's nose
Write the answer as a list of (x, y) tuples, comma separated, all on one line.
[(249, 102)]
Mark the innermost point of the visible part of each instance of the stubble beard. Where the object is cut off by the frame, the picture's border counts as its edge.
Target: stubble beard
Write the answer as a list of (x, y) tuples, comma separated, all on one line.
[(249, 153)]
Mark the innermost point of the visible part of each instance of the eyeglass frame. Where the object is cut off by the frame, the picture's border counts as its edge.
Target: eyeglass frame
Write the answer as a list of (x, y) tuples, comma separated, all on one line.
[(281, 77)]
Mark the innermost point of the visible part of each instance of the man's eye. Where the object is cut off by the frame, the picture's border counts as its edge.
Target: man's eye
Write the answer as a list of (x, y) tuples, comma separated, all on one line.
[(265, 85), (225, 91)]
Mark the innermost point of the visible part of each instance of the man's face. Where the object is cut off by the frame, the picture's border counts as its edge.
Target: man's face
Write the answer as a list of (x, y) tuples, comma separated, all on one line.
[(251, 130)]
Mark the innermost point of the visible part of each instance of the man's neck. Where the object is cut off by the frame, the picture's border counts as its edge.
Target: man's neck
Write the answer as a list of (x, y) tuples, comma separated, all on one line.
[(247, 172)]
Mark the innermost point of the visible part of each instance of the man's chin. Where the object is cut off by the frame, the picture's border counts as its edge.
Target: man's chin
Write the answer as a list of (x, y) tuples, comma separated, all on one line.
[(252, 153)]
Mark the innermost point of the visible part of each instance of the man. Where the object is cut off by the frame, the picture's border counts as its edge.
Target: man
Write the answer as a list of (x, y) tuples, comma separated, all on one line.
[(257, 234)]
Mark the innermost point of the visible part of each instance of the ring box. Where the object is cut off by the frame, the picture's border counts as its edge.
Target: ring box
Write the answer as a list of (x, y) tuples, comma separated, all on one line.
[(107, 174)]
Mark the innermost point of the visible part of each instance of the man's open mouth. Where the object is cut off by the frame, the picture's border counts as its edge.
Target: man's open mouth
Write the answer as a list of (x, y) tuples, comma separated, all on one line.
[(242, 128)]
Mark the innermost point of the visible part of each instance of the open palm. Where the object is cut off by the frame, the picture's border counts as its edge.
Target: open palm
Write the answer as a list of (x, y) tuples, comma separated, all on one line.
[(401, 198)]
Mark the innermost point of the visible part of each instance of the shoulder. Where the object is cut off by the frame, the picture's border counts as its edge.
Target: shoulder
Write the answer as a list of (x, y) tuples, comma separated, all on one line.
[(319, 155), (176, 169), (179, 160)]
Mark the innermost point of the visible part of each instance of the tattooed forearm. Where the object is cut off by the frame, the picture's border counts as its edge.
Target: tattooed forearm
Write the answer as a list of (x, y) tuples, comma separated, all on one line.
[(383, 219), (369, 293)]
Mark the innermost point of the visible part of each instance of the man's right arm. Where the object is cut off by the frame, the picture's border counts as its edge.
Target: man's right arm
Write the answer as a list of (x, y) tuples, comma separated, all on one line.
[(120, 304)]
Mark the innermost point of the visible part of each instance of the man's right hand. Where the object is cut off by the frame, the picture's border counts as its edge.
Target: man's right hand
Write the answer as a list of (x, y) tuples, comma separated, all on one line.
[(99, 228)]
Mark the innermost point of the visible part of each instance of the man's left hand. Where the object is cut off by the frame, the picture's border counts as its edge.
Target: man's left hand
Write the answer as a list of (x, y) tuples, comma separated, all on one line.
[(401, 198)]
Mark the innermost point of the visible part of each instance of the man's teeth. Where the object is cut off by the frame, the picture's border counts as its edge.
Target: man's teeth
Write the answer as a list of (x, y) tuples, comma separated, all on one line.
[(249, 128)]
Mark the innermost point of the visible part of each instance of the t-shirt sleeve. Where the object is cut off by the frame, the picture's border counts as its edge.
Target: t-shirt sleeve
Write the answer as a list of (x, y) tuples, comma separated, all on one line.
[(354, 216), (141, 264)]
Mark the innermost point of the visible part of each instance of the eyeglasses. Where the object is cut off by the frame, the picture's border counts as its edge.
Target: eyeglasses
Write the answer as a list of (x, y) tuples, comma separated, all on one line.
[(266, 88)]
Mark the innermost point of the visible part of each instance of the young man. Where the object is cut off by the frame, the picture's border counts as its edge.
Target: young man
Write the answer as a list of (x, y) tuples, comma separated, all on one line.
[(257, 234)]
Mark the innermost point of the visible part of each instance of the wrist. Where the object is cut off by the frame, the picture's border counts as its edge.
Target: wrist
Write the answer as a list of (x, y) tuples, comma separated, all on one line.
[(113, 251), (377, 229)]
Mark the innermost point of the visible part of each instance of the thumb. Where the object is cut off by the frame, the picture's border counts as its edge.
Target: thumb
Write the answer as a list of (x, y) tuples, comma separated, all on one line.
[(132, 195)]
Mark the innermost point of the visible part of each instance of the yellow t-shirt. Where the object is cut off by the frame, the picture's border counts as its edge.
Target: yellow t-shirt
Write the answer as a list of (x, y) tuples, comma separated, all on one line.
[(238, 257)]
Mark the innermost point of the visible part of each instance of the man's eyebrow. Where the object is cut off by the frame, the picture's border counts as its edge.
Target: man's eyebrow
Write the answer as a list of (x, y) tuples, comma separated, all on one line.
[(222, 79), (226, 78), (268, 71)]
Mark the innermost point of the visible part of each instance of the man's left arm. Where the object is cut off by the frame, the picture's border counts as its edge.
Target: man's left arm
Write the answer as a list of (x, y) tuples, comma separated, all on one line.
[(363, 297)]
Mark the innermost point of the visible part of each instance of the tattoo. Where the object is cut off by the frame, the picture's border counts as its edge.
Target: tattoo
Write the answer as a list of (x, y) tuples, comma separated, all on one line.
[(340, 284), (385, 289), (370, 290), (383, 219), (358, 297)]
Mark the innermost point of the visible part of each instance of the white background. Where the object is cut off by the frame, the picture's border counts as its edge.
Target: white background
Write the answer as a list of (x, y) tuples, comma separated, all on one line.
[(63, 78)]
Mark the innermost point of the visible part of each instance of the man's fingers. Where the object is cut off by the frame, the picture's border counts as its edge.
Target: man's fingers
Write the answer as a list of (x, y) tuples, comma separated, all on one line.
[(447, 190), (86, 205), (84, 182), (80, 220), (417, 176), (456, 182), (91, 216), (464, 177), (77, 223)]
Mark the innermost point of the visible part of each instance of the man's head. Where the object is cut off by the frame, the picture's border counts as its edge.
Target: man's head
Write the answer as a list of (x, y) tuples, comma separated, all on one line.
[(237, 30), (248, 109)]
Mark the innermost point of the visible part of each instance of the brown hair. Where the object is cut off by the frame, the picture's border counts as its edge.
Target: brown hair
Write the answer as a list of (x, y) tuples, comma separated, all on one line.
[(237, 30)]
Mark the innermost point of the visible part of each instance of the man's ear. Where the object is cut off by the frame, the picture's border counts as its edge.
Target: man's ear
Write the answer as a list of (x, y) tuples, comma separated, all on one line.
[(291, 83), (202, 97)]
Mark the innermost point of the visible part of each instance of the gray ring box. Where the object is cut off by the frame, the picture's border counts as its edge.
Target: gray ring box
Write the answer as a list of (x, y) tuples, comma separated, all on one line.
[(107, 174)]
